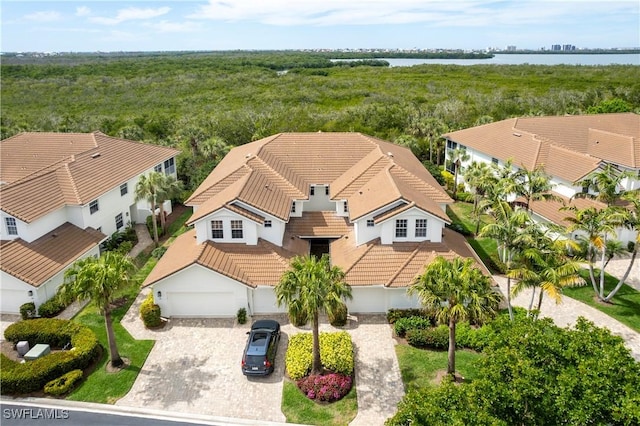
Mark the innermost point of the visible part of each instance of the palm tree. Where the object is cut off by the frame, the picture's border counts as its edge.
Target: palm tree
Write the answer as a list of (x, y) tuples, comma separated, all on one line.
[(147, 188), (544, 263), (480, 177), (312, 286), (605, 183), (169, 188), (596, 225), (455, 290), (533, 185), (510, 230), (99, 280), (457, 156)]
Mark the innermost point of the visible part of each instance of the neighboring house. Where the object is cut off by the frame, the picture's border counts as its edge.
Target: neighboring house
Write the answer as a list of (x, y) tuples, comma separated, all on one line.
[(61, 195), (368, 203), (568, 147)]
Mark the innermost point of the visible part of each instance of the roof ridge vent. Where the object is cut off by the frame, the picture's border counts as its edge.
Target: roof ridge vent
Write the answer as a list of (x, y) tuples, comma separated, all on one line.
[(517, 134), (390, 154), (95, 155)]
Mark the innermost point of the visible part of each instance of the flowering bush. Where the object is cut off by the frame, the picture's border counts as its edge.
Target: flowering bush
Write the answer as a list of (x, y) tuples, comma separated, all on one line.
[(329, 388)]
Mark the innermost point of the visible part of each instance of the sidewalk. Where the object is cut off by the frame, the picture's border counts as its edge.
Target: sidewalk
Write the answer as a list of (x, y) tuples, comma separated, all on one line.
[(567, 312), (144, 240)]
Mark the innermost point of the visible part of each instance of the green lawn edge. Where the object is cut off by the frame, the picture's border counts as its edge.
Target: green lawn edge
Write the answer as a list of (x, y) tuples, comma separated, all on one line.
[(297, 408)]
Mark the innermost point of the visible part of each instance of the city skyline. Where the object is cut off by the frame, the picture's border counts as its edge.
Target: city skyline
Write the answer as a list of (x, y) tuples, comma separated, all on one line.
[(88, 26)]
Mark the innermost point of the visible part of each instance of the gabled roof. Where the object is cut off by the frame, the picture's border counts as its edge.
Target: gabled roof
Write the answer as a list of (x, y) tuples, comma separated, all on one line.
[(394, 265), (569, 147), (271, 173), (38, 261), (42, 172)]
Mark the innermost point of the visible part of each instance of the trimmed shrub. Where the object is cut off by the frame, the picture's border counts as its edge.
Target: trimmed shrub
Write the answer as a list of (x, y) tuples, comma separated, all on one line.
[(51, 307), (403, 325), (242, 316), (158, 252), (336, 354), (339, 317), (395, 314), (464, 196), (328, 388), (150, 313), (17, 378), (434, 338), (64, 383), (28, 310)]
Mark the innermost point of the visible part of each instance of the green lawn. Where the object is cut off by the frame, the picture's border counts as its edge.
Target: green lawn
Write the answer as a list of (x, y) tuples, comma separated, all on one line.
[(625, 305), (100, 386), (297, 408), (420, 366)]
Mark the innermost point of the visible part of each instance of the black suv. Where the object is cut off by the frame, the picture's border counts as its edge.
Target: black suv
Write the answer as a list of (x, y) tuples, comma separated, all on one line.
[(260, 352)]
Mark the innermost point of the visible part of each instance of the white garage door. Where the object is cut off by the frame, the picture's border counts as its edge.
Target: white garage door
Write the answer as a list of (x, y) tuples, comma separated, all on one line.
[(12, 299), (201, 304)]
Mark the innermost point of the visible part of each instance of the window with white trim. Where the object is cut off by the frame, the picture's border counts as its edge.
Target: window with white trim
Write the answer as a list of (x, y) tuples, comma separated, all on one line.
[(421, 227), (345, 206), (370, 223), (169, 166), (93, 206), (401, 228), (119, 221), (293, 207), (216, 229), (326, 190), (124, 189), (312, 191), (236, 229), (12, 225), (267, 224), (158, 168)]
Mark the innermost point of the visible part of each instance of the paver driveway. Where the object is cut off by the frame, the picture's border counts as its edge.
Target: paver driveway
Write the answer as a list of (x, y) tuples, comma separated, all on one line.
[(194, 367)]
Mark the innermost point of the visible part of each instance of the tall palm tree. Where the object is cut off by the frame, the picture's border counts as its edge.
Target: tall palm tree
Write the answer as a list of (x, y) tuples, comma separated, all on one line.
[(312, 286), (147, 188), (533, 185), (596, 225), (605, 184), (457, 157), (480, 177), (510, 229), (99, 280), (455, 290)]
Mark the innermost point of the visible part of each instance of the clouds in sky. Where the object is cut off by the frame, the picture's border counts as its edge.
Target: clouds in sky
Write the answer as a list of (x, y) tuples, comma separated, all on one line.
[(273, 24)]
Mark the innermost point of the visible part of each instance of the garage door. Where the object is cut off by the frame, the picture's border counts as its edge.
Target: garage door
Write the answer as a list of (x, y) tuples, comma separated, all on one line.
[(12, 299), (201, 304)]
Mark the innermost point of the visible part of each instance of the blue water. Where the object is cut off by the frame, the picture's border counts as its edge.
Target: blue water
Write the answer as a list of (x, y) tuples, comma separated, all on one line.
[(534, 59)]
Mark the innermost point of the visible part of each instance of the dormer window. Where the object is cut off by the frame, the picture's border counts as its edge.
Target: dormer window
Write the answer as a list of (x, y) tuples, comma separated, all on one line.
[(421, 227), (216, 229), (236, 229), (401, 228), (12, 226)]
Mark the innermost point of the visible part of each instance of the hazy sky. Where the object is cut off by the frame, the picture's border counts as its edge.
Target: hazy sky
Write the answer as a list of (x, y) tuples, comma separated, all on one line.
[(48, 26)]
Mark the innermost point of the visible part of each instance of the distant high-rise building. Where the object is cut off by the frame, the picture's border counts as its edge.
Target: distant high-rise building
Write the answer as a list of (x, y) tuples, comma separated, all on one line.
[(568, 47), (511, 48), (556, 47)]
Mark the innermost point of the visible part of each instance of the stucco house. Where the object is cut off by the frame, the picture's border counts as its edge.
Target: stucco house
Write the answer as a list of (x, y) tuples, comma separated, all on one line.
[(366, 202), (569, 148), (61, 195)]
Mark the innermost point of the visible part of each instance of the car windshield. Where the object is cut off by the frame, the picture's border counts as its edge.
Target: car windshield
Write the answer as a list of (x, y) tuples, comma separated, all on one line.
[(255, 360), (259, 339)]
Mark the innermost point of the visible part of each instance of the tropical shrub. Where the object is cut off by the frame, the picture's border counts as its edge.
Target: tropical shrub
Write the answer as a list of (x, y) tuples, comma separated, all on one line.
[(402, 325), (336, 354), (150, 312), (395, 314), (242, 316), (434, 338), (339, 317), (64, 383), (297, 316), (327, 388), (158, 252), (28, 310), (17, 378), (52, 307)]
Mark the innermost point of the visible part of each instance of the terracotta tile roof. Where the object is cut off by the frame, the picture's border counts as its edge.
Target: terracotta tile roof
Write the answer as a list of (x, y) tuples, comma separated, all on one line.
[(319, 224), (44, 171), (282, 168), (262, 264), (38, 261), (246, 213), (532, 141), (550, 209)]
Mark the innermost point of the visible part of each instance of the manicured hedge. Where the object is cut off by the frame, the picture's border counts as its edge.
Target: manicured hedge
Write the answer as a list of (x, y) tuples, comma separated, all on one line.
[(150, 313), (402, 325), (435, 338), (51, 307), (64, 383), (394, 315), (336, 354), (17, 378)]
